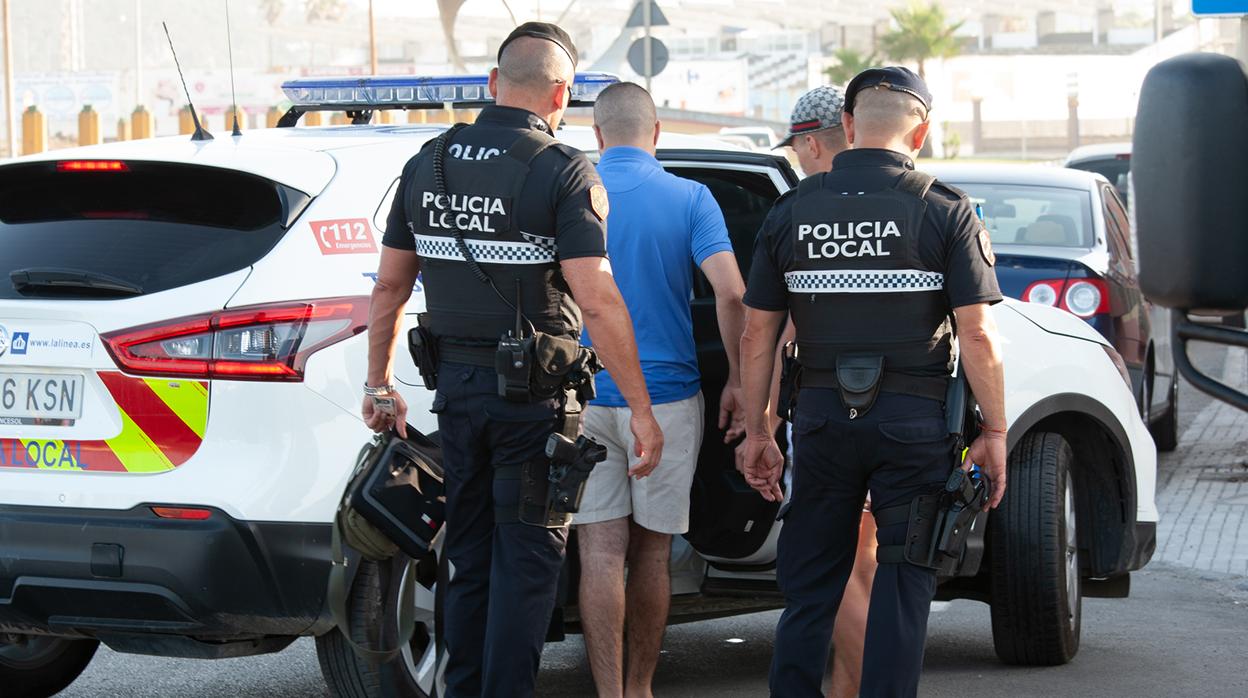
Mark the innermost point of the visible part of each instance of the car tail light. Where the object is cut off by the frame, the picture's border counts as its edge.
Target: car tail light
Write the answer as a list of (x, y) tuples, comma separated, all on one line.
[(182, 513), (91, 166), (262, 342), (1082, 297)]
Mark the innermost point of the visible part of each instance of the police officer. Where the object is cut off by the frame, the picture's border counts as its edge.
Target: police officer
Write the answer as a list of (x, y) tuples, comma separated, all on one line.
[(872, 259), (501, 215)]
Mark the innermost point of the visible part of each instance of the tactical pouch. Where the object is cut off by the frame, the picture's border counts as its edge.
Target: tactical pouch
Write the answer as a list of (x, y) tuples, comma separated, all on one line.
[(423, 346), (790, 382), (858, 378), (559, 363)]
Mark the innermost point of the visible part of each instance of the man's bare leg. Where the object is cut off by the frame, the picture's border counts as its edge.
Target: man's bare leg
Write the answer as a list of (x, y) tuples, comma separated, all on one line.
[(649, 595), (603, 547), (851, 618)]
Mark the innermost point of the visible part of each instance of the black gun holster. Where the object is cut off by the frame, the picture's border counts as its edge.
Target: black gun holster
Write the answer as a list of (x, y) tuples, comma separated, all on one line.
[(423, 346), (552, 485), (790, 381)]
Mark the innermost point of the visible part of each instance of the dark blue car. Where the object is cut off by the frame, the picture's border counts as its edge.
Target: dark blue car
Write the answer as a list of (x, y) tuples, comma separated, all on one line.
[(1062, 238)]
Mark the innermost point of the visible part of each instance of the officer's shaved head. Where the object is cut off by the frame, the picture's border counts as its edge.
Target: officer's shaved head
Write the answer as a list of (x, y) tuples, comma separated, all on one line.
[(884, 114), (530, 63), (624, 114)]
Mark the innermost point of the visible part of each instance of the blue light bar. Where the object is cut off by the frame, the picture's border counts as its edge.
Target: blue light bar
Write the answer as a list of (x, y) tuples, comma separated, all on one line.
[(416, 92)]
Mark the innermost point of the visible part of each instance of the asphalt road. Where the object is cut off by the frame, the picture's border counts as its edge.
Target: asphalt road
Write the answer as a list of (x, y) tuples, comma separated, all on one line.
[(1181, 633)]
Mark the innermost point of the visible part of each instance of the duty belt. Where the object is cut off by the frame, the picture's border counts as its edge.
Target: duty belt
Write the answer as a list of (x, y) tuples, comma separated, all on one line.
[(933, 387), (462, 352)]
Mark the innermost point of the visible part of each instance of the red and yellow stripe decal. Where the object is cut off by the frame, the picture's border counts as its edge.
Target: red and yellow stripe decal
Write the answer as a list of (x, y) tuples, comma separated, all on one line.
[(162, 426)]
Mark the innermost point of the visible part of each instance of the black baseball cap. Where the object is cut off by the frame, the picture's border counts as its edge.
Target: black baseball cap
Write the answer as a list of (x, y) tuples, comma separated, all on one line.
[(542, 30), (895, 78)]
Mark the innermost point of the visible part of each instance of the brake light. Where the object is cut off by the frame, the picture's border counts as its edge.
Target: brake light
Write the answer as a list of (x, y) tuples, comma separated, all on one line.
[(269, 342), (91, 166), (1082, 297), (182, 513)]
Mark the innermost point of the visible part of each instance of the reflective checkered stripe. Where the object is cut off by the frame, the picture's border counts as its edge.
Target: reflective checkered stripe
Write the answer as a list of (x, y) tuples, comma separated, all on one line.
[(864, 281), (488, 251)]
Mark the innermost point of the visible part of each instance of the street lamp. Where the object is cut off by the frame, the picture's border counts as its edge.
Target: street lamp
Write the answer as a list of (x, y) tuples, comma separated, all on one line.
[(1072, 110)]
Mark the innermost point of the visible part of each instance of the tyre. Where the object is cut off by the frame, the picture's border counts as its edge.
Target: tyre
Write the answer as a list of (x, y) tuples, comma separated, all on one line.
[(1034, 576), (1166, 429), (36, 666), (373, 611)]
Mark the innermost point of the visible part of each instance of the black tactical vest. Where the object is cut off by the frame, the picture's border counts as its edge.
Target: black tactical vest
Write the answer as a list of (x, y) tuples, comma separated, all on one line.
[(858, 284), (482, 203)]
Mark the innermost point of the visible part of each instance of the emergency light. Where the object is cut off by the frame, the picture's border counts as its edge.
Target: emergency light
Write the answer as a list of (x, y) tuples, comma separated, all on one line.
[(371, 93)]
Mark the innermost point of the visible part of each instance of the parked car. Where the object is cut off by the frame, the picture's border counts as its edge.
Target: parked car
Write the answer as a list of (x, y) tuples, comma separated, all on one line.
[(1063, 239), (1110, 160), (197, 310), (760, 137)]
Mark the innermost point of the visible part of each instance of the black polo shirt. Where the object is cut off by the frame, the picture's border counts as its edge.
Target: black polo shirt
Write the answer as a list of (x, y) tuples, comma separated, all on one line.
[(950, 239), (555, 201)]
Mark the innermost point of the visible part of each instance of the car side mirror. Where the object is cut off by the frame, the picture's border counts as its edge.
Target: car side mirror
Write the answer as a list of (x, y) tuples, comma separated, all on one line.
[(1191, 211)]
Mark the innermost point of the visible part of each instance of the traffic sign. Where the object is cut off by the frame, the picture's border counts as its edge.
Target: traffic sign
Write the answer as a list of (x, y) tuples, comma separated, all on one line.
[(636, 18), (1219, 8), (637, 57)]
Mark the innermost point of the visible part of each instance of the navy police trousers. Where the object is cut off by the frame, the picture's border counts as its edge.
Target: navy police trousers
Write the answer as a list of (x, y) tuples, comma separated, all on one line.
[(502, 590), (900, 449)]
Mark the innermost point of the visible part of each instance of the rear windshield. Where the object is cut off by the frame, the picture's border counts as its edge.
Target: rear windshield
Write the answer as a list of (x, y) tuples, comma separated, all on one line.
[(1030, 215), (146, 227), (1115, 170)]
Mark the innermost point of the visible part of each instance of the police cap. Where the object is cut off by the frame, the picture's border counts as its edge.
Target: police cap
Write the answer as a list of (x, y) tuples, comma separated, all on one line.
[(895, 78), (542, 30)]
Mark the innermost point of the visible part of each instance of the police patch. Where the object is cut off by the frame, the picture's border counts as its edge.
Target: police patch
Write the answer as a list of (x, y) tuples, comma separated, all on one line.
[(598, 201), (985, 247)]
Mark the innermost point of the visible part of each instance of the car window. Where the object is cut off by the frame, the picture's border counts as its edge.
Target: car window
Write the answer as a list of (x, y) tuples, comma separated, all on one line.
[(1116, 223), (745, 199), (1113, 168), (154, 226), (1033, 215)]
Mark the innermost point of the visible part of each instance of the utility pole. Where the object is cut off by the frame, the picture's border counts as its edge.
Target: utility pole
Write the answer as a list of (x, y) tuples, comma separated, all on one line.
[(11, 127), (138, 52), (649, 57), (372, 41)]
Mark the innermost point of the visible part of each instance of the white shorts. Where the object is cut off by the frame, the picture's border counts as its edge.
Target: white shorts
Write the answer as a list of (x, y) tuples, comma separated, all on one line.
[(660, 501)]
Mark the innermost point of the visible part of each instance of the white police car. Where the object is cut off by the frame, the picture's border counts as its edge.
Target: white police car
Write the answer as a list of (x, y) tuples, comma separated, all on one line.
[(181, 354)]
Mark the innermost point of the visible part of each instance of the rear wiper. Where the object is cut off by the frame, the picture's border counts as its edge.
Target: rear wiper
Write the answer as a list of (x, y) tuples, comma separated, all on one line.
[(64, 277)]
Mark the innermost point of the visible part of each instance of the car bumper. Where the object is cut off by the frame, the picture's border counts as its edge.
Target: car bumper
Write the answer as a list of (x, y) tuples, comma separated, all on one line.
[(121, 575)]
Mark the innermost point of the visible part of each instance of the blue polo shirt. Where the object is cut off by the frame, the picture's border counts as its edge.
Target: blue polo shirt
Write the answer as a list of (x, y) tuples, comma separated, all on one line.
[(659, 227)]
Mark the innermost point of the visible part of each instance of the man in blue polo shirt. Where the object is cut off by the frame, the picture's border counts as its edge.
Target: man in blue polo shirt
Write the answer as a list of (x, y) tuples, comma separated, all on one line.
[(658, 228)]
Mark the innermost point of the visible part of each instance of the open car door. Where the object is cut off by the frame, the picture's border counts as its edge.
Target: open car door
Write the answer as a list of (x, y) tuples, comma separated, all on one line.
[(730, 522)]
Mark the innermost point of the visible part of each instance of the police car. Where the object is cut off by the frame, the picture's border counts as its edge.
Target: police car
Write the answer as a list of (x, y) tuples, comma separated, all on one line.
[(181, 353)]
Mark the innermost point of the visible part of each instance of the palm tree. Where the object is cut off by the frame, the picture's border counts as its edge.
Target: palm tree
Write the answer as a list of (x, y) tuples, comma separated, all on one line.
[(923, 32), (328, 10), (849, 63)]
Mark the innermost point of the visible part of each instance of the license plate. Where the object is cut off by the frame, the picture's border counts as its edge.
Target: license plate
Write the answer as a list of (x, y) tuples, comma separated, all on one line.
[(37, 396)]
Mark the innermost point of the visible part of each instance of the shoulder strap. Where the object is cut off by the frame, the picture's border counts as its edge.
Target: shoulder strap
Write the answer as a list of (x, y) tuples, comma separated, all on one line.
[(915, 183), (529, 145), (337, 597)]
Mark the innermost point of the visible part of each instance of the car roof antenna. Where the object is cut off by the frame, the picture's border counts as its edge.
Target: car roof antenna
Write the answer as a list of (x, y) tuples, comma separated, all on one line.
[(229, 42), (201, 133)]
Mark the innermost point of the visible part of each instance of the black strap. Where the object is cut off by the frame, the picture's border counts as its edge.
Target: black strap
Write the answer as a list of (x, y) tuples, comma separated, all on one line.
[(480, 356), (915, 183), (337, 600), (933, 387), (892, 515), (529, 145)]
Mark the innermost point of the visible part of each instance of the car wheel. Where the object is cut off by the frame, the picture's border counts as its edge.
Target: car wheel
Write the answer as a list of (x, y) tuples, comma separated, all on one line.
[(418, 670), (36, 666), (1166, 429), (1034, 576)]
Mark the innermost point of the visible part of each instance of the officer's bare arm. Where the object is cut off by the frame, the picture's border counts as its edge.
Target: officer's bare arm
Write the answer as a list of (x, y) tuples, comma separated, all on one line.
[(981, 359), (725, 276), (396, 274), (606, 316), (758, 358)]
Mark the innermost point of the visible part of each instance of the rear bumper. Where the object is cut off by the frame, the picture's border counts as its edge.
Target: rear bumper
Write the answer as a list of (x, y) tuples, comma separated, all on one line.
[(125, 574)]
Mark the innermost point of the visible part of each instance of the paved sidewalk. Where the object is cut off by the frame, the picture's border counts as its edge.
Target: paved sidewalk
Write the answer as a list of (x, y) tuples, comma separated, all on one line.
[(1202, 488)]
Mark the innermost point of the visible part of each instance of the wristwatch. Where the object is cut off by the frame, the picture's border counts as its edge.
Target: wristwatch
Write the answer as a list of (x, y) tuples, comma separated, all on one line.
[(378, 390)]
